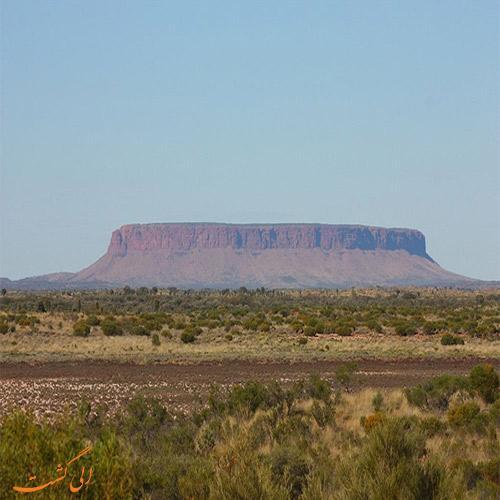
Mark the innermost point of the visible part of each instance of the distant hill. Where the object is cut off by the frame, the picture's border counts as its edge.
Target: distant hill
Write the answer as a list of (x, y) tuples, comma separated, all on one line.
[(205, 255)]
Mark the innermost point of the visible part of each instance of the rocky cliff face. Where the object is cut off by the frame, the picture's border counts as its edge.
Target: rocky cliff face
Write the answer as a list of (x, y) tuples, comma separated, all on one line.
[(185, 237)]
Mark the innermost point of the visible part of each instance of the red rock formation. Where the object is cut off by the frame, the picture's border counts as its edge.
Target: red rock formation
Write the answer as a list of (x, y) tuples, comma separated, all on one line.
[(253, 255), (270, 255), (184, 237)]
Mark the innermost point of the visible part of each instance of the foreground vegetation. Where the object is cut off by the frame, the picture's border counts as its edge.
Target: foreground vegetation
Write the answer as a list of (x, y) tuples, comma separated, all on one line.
[(186, 324), (309, 440)]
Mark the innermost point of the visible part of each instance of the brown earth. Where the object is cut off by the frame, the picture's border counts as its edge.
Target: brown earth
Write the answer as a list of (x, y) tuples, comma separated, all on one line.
[(47, 389)]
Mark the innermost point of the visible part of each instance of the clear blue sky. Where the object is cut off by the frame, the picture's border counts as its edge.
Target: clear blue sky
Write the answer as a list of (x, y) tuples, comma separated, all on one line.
[(371, 112)]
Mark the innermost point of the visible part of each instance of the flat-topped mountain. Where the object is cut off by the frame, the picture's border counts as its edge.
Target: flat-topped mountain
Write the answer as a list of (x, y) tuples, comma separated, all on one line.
[(183, 237), (210, 255)]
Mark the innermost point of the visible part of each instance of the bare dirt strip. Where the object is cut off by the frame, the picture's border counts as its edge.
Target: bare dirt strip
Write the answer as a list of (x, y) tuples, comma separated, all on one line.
[(49, 388)]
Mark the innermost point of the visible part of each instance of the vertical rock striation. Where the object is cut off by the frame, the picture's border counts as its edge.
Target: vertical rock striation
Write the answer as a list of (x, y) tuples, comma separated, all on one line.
[(259, 237)]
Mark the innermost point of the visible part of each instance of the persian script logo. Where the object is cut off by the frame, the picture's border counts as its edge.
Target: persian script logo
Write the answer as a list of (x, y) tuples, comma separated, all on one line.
[(61, 474)]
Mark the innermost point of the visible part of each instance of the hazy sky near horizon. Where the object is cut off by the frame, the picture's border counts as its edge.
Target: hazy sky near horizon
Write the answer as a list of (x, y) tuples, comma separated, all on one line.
[(381, 113)]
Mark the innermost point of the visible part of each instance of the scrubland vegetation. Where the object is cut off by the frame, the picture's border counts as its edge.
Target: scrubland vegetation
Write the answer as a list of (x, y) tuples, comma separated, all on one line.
[(286, 324), (308, 440)]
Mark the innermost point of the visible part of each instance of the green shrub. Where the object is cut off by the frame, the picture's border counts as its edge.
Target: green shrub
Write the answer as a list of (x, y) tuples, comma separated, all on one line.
[(483, 330), (81, 329), (464, 414), (432, 327), (264, 327), (140, 330), (111, 327), (344, 330), (93, 320), (323, 413), (436, 393), (187, 337), (484, 379), (4, 327), (374, 325), (345, 373), (405, 328), (377, 401), (31, 447), (302, 341), (432, 425), (449, 339), (253, 395), (309, 331), (194, 330), (318, 388), (155, 339)]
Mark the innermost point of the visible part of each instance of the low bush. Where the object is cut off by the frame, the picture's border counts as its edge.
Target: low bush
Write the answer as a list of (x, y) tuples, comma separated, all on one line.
[(28, 447), (374, 325), (484, 380), (464, 414), (318, 388), (345, 373), (194, 330), (110, 327), (344, 330), (93, 320), (309, 331), (377, 401), (436, 393), (81, 329), (187, 337), (433, 327), (449, 339), (140, 330), (405, 328), (253, 395)]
